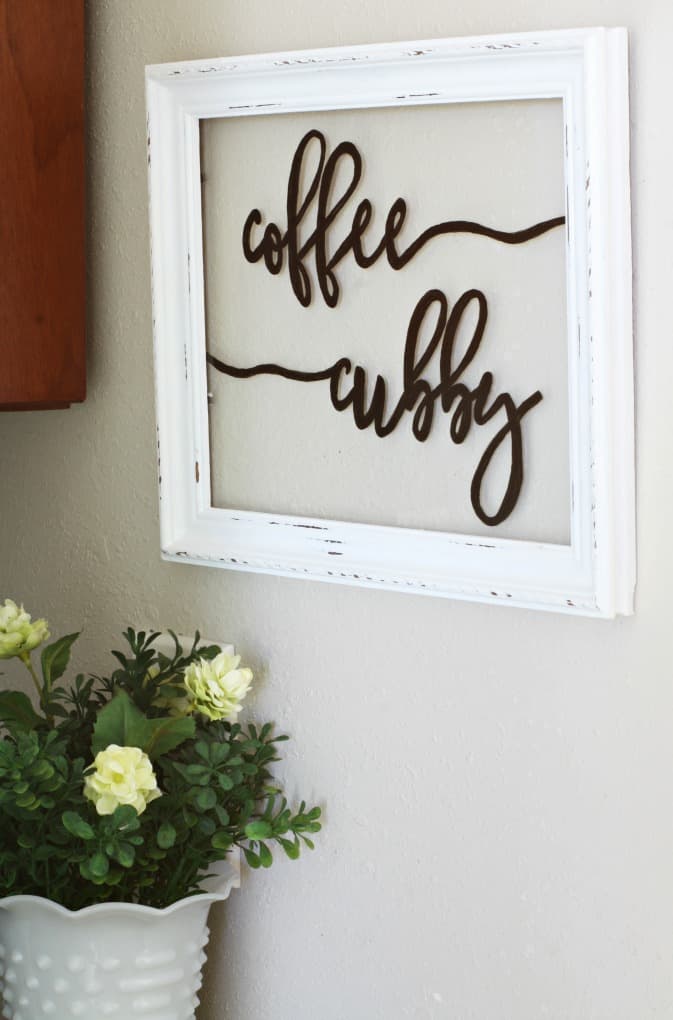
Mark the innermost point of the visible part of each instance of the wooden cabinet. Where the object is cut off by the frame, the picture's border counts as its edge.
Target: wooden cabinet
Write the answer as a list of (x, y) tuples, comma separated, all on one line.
[(42, 275)]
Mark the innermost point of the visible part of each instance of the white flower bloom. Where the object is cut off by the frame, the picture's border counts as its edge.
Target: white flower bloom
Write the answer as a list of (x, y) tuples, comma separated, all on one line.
[(124, 775), (17, 634), (217, 687)]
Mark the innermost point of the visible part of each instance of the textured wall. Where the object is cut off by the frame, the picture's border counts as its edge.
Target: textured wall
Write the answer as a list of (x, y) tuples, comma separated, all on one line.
[(498, 783)]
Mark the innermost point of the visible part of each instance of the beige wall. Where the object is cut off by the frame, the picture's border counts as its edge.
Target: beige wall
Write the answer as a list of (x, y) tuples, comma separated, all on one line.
[(499, 831)]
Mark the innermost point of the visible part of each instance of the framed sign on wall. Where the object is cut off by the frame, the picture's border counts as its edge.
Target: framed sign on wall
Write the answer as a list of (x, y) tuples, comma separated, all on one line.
[(392, 316)]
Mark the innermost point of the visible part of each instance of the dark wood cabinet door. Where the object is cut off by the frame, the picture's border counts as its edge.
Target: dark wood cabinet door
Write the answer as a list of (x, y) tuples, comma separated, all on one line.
[(42, 274)]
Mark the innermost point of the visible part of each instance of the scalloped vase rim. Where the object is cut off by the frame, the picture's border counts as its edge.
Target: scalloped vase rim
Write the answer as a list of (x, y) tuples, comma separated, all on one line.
[(223, 877)]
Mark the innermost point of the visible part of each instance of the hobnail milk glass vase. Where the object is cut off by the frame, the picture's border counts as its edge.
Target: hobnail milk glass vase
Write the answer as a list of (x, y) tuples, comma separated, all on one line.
[(119, 960)]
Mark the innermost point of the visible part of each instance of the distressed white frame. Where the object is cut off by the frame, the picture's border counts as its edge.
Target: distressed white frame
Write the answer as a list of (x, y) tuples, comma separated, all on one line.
[(587, 70)]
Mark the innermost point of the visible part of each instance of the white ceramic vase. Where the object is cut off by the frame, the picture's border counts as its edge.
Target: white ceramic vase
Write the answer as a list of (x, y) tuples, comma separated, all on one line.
[(119, 960)]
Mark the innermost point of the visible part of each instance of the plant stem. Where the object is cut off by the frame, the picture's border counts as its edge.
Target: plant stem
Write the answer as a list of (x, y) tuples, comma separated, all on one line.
[(41, 691), (25, 659)]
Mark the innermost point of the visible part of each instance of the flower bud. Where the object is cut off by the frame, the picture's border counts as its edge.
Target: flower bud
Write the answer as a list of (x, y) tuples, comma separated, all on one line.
[(18, 635)]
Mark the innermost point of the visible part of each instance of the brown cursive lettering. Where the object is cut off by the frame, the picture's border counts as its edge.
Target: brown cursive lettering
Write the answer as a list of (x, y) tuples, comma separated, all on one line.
[(275, 244), (464, 404)]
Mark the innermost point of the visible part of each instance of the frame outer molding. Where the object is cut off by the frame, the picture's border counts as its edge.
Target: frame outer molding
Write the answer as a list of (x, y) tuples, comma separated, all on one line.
[(611, 318), (595, 575)]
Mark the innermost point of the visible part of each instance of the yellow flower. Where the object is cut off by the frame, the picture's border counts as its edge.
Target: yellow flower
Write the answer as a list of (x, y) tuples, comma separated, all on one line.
[(18, 635), (217, 687), (124, 775)]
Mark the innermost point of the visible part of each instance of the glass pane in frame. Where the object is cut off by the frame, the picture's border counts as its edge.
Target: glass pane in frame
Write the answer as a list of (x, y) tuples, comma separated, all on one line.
[(278, 444)]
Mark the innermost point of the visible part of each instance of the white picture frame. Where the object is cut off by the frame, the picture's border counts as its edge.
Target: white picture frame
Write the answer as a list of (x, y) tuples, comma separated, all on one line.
[(594, 574)]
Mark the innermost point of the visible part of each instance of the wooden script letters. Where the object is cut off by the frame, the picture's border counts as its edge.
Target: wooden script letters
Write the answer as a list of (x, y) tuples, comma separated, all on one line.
[(433, 315)]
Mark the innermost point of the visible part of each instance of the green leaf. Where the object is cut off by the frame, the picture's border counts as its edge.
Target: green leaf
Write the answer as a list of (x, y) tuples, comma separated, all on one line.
[(27, 800), (222, 815), (221, 840), (189, 817), (208, 651), (126, 817), (166, 836), (167, 734), (98, 876), (76, 825), (219, 753), (206, 825), (199, 775), (265, 855), (259, 830), (125, 855), (58, 710), (42, 770), (17, 712), (251, 857), (290, 848), (119, 722), (99, 865), (205, 799), (55, 658)]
